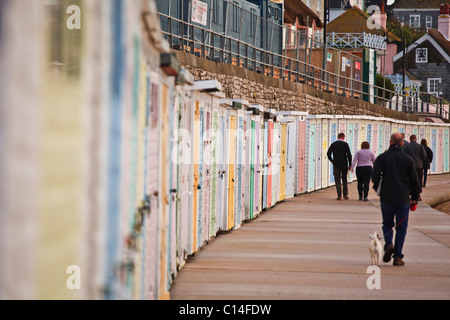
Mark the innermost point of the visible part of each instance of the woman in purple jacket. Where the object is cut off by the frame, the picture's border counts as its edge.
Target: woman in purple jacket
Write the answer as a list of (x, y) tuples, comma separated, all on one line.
[(363, 160)]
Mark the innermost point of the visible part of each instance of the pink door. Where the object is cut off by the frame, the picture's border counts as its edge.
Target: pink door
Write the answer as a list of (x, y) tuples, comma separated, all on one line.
[(269, 177)]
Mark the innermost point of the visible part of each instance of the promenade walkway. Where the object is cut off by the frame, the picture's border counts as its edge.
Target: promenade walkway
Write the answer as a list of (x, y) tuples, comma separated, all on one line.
[(314, 247)]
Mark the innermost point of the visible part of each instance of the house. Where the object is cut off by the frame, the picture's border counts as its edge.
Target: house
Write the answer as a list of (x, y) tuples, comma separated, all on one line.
[(338, 7), (298, 16), (356, 30), (317, 6), (429, 57), (255, 22), (419, 14)]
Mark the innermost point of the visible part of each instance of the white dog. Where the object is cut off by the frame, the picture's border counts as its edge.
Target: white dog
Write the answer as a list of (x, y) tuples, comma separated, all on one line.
[(375, 248)]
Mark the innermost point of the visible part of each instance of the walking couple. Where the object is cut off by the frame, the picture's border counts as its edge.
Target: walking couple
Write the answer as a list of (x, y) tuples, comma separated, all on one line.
[(341, 157)]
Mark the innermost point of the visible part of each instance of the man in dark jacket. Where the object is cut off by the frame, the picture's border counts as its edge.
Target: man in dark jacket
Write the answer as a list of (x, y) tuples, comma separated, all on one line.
[(399, 181), (427, 163), (341, 157), (419, 155)]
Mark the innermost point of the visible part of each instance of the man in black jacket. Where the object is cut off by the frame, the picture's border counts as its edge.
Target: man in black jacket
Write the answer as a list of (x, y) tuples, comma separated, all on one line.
[(341, 157), (419, 155), (399, 181)]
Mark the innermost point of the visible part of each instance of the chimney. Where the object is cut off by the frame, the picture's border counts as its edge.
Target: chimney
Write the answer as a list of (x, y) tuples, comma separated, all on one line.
[(380, 17), (444, 20)]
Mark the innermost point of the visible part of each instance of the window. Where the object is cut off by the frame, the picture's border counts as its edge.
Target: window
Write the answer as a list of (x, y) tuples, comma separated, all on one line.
[(421, 55), (253, 20), (429, 22), (414, 21), (216, 11), (236, 16), (319, 5), (433, 85)]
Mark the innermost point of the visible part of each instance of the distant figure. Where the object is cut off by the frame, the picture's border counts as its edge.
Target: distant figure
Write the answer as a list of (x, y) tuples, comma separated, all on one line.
[(363, 160), (399, 181), (417, 152), (405, 142), (428, 161), (341, 157)]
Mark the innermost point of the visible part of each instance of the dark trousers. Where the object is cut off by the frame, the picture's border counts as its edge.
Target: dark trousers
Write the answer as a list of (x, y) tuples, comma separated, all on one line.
[(420, 176), (363, 175), (425, 175), (399, 212), (340, 173)]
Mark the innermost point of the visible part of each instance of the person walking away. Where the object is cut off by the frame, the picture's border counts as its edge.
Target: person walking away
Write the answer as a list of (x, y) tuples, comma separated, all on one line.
[(363, 160), (397, 173), (405, 142), (428, 161), (417, 152), (341, 157)]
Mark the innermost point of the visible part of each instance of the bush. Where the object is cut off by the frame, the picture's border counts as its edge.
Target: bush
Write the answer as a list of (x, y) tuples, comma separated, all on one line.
[(389, 86)]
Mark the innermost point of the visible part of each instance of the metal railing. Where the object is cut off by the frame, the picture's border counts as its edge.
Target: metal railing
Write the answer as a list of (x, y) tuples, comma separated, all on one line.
[(275, 50)]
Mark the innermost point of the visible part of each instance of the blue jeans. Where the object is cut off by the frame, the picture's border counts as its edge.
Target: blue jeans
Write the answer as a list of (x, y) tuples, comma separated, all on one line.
[(401, 213)]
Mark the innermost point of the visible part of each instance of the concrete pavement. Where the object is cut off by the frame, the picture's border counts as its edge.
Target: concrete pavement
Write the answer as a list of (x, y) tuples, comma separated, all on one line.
[(314, 247)]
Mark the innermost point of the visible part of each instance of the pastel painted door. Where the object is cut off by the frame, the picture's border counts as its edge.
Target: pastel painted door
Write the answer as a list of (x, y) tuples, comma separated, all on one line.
[(440, 148), (270, 161), (343, 126), (163, 221), (301, 172), (324, 149), (215, 176), (446, 151), (387, 135), (369, 133), (239, 172), (374, 143), (231, 171), (434, 147), (351, 143), (362, 132), (333, 138), (265, 164), (258, 176), (422, 133), (409, 132), (151, 227), (291, 159), (276, 148), (311, 154), (283, 162), (380, 139), (206, 173), (196, 176), (221, 146), (318, 148), (200, 185)]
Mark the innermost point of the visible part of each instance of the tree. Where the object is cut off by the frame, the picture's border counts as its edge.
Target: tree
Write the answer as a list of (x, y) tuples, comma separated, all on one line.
[(386, 84)]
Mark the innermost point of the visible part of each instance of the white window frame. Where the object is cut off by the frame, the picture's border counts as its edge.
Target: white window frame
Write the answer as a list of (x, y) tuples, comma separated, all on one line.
[(429, 22), (421, 60), (416, 23), (436, 87)]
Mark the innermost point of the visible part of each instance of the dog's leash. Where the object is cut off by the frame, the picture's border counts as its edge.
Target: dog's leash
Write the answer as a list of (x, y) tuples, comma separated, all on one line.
[(395, 227)]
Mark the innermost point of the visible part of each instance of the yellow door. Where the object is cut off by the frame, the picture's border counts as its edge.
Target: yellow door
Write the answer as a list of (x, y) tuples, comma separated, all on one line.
[(231, 162), (283, 162)]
